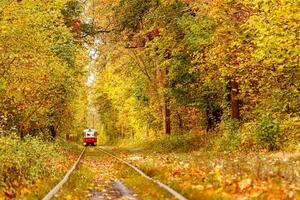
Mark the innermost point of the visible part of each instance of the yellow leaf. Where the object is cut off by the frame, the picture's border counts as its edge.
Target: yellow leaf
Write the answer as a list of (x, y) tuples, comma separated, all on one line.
[(244, 184)]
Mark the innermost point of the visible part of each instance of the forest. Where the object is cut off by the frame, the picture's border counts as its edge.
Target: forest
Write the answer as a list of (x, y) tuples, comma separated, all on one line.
[(229, 68), (205, 93)]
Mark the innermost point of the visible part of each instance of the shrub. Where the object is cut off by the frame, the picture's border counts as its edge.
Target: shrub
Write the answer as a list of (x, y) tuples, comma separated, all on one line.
[(248, 139), (268, 133), (290, 129), (23, 162), (177, 143), (230, 139)]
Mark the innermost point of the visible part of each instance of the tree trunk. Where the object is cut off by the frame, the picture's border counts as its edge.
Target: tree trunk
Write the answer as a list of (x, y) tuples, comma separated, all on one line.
[(180, 121), (23, 129), (132, 134), (52, 131), (146, 132), (235, 102), (68, 137), (122, 131), (161, 76), (166, 112), (208, 120)]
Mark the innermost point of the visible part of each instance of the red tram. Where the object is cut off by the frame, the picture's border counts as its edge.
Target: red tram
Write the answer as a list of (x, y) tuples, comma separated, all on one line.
[(89, 137)]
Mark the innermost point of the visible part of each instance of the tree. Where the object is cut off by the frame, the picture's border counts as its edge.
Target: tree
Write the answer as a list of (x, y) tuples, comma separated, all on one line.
[(39, 74)]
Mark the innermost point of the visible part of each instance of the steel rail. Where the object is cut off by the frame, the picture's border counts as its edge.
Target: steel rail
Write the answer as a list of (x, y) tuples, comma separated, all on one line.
[(55, 190), (160, 184)]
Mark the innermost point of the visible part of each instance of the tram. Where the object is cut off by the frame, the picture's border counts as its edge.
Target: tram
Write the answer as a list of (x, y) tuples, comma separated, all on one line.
[(89, 137)]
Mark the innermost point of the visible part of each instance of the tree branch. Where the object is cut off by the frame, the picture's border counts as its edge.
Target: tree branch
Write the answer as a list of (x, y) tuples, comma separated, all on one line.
[(142, 65)]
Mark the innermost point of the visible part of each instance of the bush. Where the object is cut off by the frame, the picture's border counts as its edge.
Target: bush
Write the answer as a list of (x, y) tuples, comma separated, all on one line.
[(248, 141), (230, 140), (23, 162), (268, 134), (177, 143), (290, 129)]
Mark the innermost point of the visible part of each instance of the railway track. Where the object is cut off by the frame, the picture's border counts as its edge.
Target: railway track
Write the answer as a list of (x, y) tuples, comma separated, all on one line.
[(118, 190)]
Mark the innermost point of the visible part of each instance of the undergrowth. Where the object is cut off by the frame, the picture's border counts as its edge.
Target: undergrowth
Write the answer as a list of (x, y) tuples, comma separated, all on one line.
[(176, 143), (266, 134), (25, 162), (173, 143)]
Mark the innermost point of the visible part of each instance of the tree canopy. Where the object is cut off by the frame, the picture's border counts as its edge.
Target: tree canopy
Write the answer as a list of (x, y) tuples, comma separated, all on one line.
[(41, 67), (183, 65)]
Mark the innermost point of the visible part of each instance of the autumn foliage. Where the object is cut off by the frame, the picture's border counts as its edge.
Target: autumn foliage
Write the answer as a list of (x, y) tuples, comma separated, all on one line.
[(230, 67), (173, 76)]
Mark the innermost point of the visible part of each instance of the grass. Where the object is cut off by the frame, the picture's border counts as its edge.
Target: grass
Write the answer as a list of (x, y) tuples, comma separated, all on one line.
[(37, 165), (200, 168), (158, 168), (77, 186), (196, 174), (97, 165), (221, 175), (39, 189), (144, 188), (80, 181), (171, 144)]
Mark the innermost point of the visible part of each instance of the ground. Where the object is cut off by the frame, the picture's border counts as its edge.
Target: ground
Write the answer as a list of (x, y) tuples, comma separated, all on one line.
[(95, 178), (196, 175)]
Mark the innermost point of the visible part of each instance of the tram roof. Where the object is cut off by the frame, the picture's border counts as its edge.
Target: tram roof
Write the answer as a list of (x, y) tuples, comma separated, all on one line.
[(89, 130)]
